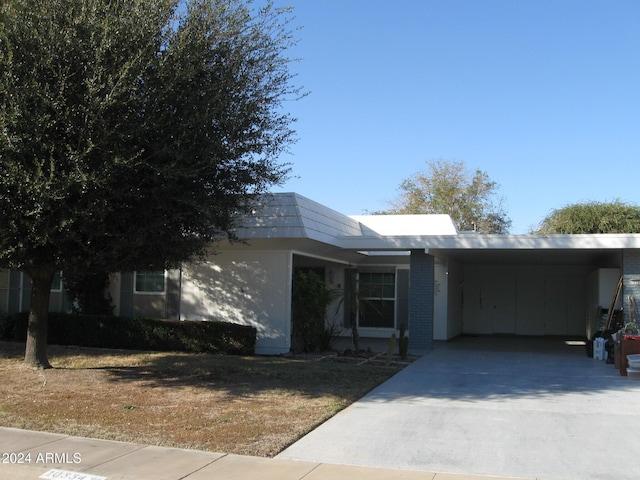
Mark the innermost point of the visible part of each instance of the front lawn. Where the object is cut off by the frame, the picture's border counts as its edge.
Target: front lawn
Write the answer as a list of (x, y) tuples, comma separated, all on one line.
[(228, 404)]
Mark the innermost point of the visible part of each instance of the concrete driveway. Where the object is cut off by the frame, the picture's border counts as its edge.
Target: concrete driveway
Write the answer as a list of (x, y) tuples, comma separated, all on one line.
[(535, 408)]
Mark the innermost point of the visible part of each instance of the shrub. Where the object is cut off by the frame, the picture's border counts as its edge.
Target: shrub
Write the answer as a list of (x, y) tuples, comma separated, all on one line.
[(311, 298), (141, 333), (6, 326), (88, 292)]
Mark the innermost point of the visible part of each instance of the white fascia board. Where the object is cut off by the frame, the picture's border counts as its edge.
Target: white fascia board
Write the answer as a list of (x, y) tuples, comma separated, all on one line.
[(501, 242), (541, 242)]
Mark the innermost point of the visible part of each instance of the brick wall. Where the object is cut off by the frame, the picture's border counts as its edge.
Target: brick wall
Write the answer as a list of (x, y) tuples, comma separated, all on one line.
[(421, 301), (631, 281)]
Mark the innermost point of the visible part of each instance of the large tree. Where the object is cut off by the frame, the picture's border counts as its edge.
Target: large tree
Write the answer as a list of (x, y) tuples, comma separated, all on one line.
[(448, 187), (592, 217), (133, 132)]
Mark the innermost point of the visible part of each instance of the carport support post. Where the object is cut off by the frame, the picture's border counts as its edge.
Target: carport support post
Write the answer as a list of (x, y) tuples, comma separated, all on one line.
[(421, 300)]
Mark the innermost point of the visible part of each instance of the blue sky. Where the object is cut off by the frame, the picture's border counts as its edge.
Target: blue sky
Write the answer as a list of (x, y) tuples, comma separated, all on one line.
[(544, 96)]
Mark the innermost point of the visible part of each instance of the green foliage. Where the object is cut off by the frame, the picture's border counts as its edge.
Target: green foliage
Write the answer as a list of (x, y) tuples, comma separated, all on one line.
[(352, 302), (446, 187), (141, 333), (87, 292), (311, 298), (7, 326), (592, 217), (132, 134)]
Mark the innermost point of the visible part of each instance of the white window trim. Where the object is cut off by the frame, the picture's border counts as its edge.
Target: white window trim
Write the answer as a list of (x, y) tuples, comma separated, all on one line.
[(386, 330), (138, 292)]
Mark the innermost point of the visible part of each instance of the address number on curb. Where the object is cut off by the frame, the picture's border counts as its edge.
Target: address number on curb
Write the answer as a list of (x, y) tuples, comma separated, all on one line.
[(66, 475)]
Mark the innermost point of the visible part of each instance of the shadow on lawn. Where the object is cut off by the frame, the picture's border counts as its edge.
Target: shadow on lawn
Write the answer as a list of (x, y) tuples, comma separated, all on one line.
[(243, 376), (234, 375)]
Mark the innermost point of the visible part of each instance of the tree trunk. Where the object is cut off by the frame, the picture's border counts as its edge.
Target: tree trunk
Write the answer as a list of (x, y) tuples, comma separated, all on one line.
[(36, 348)]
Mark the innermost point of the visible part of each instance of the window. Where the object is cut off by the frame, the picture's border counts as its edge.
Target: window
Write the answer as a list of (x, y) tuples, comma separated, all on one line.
[(4, 278), (56, 286), (377, 294), (149, 282)]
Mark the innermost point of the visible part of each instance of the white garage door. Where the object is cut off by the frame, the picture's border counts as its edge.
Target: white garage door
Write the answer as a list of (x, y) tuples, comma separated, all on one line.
[(524, 300)]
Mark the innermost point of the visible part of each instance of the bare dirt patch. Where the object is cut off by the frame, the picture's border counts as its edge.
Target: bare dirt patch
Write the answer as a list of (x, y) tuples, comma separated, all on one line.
[(242, 405)]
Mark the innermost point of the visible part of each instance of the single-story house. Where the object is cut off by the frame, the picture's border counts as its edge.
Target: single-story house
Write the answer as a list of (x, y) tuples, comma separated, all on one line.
[(439, 281)]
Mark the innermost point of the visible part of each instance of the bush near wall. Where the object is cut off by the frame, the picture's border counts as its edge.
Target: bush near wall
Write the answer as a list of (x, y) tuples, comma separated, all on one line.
[(138, 333)]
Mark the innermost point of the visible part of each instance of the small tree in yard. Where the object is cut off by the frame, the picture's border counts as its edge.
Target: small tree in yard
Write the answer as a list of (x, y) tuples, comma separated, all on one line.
[(311, 298), (133, 132)]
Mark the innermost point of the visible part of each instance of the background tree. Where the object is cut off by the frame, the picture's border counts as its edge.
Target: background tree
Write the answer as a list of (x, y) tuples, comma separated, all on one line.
[(592, 217), (132, 133), (447, 187)]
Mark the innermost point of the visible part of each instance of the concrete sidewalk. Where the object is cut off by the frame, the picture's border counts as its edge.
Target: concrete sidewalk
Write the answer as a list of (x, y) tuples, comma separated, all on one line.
[(61, 457)]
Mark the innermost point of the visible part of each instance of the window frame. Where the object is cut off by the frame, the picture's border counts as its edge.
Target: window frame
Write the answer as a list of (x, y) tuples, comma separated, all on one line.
[(381, 299), (141, 273), (56, 284)]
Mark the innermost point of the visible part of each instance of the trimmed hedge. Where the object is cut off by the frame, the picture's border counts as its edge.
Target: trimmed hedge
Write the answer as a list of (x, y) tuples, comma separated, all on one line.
[(138, 333)]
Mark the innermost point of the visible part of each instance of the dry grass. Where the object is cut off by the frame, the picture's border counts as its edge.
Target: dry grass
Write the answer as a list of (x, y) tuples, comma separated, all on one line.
[(242, 405)]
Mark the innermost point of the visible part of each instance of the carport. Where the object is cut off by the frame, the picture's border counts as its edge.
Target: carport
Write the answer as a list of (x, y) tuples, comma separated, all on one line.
[(511, 285), (544, 291)]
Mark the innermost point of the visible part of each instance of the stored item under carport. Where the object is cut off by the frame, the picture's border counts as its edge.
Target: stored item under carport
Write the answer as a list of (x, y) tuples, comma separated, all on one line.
[(633, 371), (629, 346), (634, 361), (611, 325)]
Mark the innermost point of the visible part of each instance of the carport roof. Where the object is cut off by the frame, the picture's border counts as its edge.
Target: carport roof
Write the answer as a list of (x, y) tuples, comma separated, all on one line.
[(492, 242)]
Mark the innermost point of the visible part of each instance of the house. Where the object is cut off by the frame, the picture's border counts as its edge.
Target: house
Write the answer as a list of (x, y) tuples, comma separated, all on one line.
[(439, 281)]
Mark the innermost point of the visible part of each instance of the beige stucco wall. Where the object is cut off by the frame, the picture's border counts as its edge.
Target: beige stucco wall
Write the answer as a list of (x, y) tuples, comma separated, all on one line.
[(246, 287)]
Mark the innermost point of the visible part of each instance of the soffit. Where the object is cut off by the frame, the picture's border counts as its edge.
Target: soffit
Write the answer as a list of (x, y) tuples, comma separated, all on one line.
[(599, 257)]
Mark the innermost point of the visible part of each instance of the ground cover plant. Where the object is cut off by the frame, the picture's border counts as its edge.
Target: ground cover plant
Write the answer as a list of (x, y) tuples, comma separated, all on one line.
[(243, 405)]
